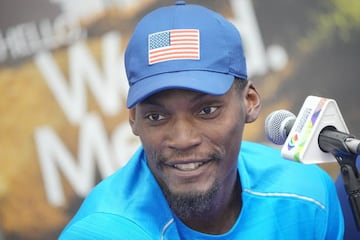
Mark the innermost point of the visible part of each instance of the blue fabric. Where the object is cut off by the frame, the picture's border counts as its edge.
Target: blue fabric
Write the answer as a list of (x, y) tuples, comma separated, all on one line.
[(281, 200), (351, 231), (219, 46)]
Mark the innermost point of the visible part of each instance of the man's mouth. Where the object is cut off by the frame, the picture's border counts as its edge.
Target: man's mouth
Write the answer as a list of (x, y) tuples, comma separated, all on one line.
[(188, 166)]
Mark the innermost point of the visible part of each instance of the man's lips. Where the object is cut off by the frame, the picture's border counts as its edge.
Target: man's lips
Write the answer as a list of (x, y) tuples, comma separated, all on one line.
[(186, 172), (187, 165)]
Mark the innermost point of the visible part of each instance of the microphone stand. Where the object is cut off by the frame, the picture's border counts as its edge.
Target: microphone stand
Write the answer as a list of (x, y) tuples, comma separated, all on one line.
[(352, 187), (334, 142)]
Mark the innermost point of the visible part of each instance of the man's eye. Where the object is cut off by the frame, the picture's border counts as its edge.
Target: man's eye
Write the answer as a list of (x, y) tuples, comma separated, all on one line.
[(208, 110), (154, 117)]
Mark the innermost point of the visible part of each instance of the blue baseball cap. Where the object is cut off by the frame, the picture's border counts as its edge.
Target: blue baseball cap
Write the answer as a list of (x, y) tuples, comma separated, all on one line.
[(183, 46)]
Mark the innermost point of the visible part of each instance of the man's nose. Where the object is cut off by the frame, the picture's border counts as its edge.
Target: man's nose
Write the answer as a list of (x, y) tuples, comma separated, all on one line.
[(184, 134)]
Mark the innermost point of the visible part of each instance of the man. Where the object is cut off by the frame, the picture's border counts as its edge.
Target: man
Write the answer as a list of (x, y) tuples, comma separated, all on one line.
[(189, 101)]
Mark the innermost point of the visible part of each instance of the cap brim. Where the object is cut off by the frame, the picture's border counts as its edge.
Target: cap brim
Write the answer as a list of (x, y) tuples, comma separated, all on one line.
[(213, 83)]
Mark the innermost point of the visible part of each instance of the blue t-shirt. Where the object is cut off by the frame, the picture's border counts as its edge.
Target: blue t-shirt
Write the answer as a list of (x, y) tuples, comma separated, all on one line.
[(281, 200)]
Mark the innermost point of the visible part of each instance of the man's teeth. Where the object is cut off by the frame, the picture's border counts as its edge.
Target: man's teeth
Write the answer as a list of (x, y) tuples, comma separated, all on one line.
[(188, 166)]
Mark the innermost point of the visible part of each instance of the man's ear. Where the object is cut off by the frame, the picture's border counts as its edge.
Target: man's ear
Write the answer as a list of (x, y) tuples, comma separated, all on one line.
[(132, 120), (252, 103)]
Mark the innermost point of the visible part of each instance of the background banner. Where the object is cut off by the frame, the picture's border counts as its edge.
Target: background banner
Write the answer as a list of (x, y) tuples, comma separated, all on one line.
[(63, 119)]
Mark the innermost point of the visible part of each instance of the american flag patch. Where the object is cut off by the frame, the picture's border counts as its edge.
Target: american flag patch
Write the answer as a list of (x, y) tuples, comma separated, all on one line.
[(173, 45)]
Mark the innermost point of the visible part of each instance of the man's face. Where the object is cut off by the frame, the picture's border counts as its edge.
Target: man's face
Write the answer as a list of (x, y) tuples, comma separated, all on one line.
[(192, 141)]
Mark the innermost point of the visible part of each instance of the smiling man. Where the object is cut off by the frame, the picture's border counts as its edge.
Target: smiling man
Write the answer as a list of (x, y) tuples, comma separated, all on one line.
[(193, 177), (192, 141)]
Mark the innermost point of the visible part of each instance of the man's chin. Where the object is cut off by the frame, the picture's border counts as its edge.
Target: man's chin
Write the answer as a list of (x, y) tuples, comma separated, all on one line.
[(189, 190), (191, 203)]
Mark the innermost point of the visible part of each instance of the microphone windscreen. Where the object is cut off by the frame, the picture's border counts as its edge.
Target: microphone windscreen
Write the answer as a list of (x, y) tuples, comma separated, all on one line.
[(278, 125)]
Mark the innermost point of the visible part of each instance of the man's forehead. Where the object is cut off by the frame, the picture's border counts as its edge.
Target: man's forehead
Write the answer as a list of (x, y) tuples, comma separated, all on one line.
[(181, 93)]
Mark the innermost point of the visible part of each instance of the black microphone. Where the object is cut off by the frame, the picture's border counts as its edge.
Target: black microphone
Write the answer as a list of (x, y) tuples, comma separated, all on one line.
[(279, 123)]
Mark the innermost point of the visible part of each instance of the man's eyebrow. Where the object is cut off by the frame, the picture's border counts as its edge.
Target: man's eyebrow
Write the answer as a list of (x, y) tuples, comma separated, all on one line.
[(201, 95), (150, 101)]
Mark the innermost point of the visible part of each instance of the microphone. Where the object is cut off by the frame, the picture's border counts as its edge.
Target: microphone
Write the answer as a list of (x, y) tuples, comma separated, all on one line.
[(319, 135), (318, 131), (332, 140), (278, 125)]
